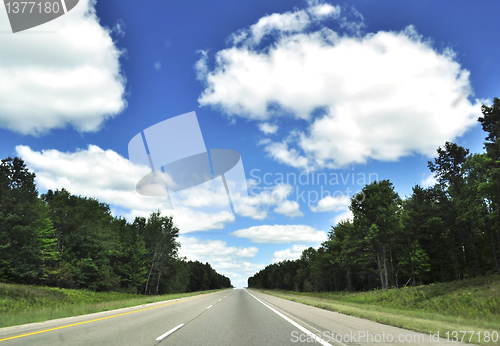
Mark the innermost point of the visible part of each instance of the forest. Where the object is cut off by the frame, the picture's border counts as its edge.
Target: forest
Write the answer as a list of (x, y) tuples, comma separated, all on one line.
[(449, 231), (58, 239)]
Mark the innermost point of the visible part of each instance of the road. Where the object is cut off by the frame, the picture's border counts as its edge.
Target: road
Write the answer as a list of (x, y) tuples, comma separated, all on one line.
[(230, 317)]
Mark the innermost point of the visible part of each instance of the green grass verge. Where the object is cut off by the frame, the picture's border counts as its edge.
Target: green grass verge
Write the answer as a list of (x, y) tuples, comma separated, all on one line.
[(20, 304), (468, 305)]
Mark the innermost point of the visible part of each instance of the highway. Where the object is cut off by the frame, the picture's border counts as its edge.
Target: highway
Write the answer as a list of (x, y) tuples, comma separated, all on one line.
[(230, 317)]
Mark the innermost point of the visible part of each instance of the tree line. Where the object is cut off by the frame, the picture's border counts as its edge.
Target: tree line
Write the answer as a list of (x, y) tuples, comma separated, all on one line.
[(449, 231), (59, 239)]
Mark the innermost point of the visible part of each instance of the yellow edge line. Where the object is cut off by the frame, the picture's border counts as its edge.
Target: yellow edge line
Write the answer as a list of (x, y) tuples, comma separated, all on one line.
[(102, 318)]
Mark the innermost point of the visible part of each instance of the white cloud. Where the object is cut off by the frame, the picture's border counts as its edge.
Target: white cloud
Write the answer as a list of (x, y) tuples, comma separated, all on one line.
[(289, 208), (382, 96), (201, 65), (321, 11), (260, 200), (109, 177), (281, 234), (268, 128), (281, 153), (345, 216), (119, 28), (286, 22), (429, 181), (234, 262), (198, 249), (353, 26), (68, 75), (329, 203), (289, 254), (157, 66)]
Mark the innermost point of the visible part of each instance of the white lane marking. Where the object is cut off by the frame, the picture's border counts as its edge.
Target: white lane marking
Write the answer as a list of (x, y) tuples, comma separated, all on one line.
[(220, 300), (169, 332), (314, 336), (209, 307)]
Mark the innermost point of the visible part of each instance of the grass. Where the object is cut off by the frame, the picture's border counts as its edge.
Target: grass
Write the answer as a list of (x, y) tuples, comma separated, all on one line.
[(20, 304), (468, 305)]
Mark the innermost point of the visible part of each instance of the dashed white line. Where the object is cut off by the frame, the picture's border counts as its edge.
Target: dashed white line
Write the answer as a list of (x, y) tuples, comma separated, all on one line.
[(169, 332), (220, 300), (209, 307), (318, 339)]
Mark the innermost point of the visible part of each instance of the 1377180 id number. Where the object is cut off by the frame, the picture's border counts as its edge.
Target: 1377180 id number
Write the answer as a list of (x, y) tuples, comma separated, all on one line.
[(32, 7), (463, 335)]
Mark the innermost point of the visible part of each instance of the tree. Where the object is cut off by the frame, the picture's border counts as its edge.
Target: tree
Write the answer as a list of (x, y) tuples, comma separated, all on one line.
[(417, 220), (449, 169), (442, 233), (85, 240), (73, 241), (377, 217), (27, 248), (490, 121), (129, 263), (160, 237), (303, 273)]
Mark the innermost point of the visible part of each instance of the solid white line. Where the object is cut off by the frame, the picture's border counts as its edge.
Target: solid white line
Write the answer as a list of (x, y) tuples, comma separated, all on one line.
[(209, 307), (314, 336), (169, 332)]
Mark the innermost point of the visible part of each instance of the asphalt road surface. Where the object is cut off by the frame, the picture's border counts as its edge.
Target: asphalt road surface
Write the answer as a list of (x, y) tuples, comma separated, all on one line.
[(230, 317)]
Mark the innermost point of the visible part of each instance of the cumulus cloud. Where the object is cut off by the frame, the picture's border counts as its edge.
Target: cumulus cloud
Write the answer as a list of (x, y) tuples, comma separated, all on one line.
[(285, 23), (109, 177), (198, 249), (234, 262), (289, 208), (323, 10), (201, 65), (429, 181), (268, 128), (261, 200), (68, 75), (345, 216), (335, 203), (281, 234), (380, 96), (283, 154), (289, 254)]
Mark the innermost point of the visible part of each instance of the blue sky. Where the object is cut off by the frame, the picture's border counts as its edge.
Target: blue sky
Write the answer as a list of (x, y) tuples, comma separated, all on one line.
[(339, 88)]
